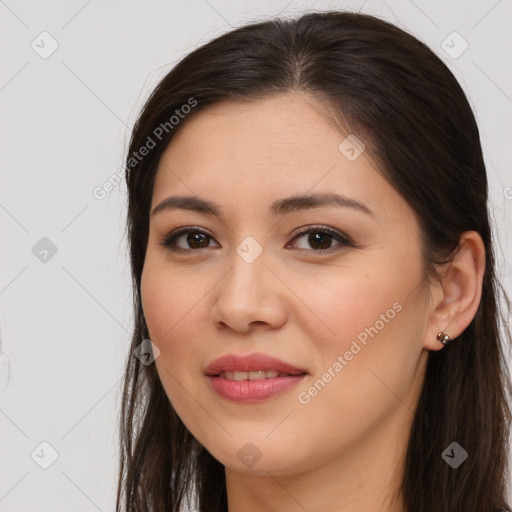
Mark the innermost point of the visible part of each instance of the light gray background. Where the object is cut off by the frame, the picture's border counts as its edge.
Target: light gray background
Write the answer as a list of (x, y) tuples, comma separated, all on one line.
[(65, 323)]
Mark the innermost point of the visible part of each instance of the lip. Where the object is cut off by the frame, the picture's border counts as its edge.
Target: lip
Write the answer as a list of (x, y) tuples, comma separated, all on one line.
[(252, 390), (250, 363)]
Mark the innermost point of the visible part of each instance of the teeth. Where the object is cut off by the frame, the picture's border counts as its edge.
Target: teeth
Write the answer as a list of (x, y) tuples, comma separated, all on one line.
[(256, 375)]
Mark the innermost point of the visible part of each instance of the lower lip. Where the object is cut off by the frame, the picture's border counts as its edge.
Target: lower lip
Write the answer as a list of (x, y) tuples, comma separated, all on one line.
[(253, 390)]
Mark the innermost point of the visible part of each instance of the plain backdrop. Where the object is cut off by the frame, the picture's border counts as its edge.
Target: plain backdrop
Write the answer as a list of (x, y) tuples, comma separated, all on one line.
[(73, 78)]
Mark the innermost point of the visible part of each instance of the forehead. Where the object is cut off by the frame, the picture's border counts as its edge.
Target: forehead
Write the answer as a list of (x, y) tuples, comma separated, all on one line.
[(246, 155), (261, 129), (280, 138)]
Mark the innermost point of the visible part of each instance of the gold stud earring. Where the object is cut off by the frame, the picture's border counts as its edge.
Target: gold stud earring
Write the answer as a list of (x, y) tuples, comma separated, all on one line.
[(443, 338)]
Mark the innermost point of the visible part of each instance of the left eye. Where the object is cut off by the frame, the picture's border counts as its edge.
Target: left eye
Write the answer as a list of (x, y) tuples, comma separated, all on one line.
[(318, 238), (322, 238)]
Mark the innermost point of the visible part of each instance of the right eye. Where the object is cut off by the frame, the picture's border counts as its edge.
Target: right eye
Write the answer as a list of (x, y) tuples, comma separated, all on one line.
[(195, 239)]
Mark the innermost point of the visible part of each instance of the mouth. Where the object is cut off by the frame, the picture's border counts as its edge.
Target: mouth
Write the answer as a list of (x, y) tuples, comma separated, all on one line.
[(255, 366), (254, 375), (252, 378)]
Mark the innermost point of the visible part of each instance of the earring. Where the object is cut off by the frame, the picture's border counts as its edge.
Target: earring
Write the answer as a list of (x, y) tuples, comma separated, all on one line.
[(443, 338)]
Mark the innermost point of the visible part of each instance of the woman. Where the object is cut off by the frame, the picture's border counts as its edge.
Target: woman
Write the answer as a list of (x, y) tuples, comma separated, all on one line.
[(313, 271)]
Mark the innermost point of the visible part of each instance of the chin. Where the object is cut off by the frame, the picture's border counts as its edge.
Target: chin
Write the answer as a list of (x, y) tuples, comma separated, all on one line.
[(257, 458)]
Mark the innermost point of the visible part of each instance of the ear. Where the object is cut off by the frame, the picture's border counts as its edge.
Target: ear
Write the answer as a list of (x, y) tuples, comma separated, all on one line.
[(455, 299)]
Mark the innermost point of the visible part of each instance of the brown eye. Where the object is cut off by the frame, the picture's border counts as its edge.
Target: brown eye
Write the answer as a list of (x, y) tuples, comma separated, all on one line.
[(320, 239), (194, 239)]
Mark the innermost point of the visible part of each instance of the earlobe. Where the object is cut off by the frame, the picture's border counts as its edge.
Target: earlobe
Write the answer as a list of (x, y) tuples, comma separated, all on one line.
[(460, 293)]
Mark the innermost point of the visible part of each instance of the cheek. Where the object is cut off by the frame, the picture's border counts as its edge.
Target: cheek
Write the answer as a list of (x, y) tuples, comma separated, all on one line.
[(154, 303), (175, 316), (345, 305), (373, 319), (168, 304), (378, 336), (167, 300)]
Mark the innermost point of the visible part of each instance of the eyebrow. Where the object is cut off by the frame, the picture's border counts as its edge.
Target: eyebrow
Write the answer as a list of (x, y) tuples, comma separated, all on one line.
[(279, 207)]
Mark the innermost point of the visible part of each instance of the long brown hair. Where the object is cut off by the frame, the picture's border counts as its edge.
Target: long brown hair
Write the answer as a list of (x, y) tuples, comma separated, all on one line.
[(409, 110)]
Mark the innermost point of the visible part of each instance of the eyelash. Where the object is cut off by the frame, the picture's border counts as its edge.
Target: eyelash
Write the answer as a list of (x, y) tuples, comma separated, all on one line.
[(344, 240)]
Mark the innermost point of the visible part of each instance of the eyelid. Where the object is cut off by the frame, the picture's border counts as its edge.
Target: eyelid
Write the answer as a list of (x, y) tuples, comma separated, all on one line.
[(343, 239)]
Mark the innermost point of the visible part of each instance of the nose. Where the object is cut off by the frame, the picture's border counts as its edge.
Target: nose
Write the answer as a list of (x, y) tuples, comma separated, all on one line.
[(250, 294)]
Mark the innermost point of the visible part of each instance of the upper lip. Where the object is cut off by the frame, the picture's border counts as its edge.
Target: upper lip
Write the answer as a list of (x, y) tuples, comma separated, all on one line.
[(250, 362)]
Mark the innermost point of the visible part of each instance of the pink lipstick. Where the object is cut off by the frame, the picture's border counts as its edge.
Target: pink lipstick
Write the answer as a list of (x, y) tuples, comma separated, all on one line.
[(253, 377)]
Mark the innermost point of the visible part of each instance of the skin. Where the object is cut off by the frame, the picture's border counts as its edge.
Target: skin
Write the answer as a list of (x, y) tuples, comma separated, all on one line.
[(344, 449)]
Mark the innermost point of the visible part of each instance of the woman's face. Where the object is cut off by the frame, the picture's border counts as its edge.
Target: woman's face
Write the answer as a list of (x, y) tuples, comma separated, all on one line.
[(344, 304)]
